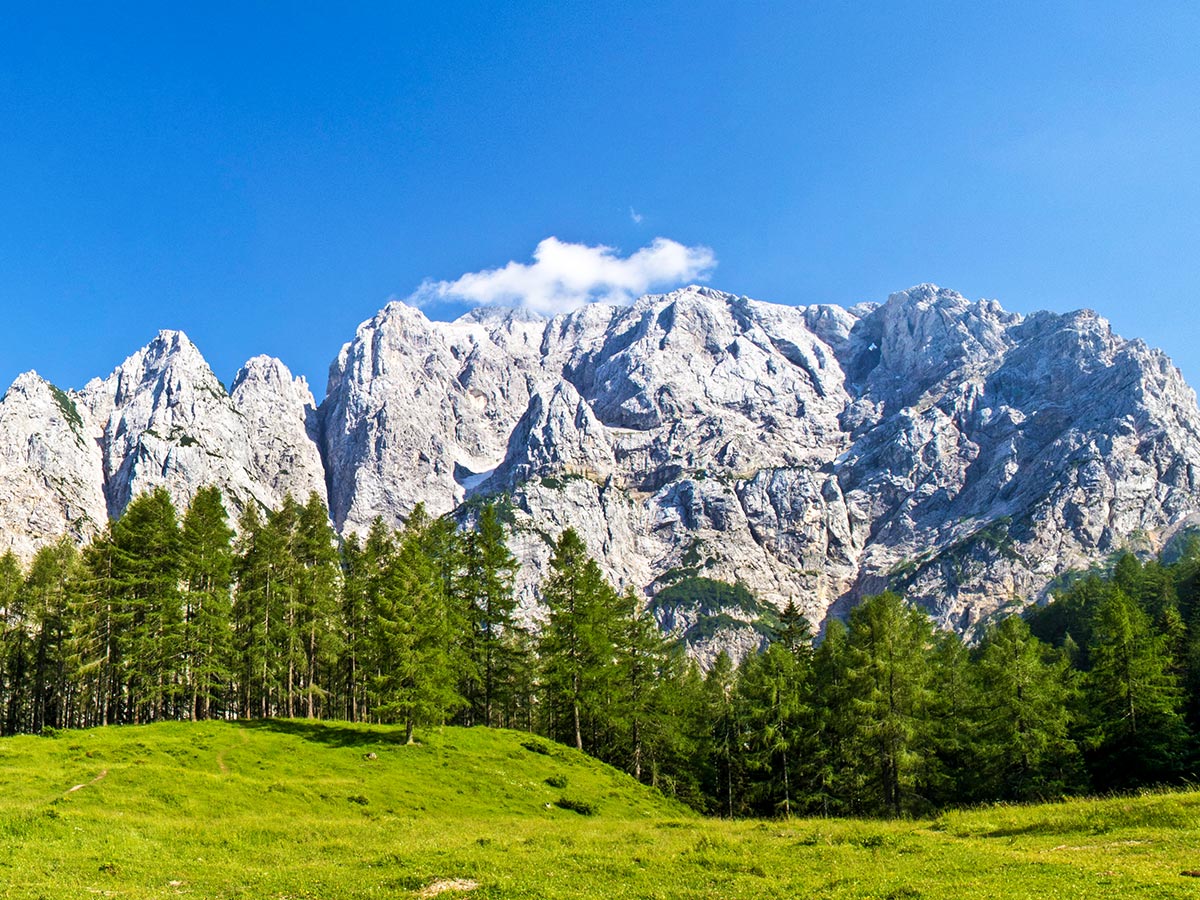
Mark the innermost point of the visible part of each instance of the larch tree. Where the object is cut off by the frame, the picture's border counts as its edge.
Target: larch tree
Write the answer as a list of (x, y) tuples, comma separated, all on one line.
[(578, 644), (317, 590), (1139, 733), (146, 572), (889, 676), (1025, 748), (487, 584), (206, 568)]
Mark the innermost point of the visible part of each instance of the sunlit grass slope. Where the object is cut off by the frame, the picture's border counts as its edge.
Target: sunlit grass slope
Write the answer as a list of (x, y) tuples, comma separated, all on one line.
[(303, 810)]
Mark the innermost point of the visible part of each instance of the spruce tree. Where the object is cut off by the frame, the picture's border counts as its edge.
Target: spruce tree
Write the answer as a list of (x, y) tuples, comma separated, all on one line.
[(444, 545), (772, 692), (642, 669), (414, 677), (836, 777), (14, 643), (262, 568), (47, 597), (725, 750), (97, 619), (362, 570), (948, 774), (680, 748), (289, 638)]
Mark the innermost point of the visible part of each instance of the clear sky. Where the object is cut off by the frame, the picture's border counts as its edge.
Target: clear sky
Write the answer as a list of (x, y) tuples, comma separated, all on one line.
[(265, 176)]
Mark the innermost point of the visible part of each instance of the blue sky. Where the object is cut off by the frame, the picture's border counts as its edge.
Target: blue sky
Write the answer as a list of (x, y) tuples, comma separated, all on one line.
[(266, 176)]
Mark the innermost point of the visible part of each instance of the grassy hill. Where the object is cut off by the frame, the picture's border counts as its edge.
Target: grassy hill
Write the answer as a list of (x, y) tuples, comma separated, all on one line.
[(308, 810)]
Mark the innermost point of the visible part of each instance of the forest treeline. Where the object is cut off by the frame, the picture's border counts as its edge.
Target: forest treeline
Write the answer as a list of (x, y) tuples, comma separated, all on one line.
[(170, 617)]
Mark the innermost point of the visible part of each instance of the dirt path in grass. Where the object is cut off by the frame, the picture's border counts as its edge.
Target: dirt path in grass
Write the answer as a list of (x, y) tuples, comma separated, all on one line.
[(221, 756), (103, 774)]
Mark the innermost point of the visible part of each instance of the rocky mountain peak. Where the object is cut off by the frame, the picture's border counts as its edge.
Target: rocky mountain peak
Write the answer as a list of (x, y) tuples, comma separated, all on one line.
[(937, 445), (501, 315), (268, 373), (27, 383), (48, 486), (164, 418)]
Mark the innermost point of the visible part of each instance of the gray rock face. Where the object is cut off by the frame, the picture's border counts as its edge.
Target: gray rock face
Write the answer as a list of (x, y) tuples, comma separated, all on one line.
[(164, 419), (70, 460), (48, 468), (946, 448), (422, 411)]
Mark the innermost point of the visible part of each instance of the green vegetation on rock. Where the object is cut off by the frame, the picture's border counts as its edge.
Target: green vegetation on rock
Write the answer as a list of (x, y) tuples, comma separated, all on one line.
[(69, 410)]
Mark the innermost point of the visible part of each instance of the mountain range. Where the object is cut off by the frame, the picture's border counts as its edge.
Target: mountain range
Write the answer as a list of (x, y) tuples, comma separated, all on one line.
[(962, 454)]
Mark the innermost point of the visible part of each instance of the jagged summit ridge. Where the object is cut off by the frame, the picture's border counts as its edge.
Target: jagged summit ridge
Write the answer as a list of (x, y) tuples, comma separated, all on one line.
[(942, 446), (72, 459)]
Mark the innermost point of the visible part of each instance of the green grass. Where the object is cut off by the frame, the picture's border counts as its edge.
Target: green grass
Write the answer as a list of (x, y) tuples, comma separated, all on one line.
[(298, 810)]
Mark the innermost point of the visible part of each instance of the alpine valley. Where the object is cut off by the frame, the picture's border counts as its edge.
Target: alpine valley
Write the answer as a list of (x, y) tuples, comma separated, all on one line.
[(961, 454)]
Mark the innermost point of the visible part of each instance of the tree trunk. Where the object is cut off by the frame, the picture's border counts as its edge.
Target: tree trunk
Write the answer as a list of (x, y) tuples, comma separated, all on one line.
[(637, 751), (578, 732)]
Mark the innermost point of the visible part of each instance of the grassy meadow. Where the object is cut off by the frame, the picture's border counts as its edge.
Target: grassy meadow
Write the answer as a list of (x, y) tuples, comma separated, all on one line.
[(287, 809)]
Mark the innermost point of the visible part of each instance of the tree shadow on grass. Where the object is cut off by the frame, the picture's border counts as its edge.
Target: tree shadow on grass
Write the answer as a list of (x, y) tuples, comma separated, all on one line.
[(331, 734)]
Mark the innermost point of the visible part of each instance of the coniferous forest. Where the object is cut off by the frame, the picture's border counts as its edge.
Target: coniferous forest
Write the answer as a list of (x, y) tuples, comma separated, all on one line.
[(170, 617)]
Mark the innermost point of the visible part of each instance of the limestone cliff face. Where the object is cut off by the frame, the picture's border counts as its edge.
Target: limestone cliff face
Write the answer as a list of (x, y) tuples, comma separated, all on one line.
[(947, 448), (71, 460), (944, 447), (162, 418), (419, 410), (49, 468)]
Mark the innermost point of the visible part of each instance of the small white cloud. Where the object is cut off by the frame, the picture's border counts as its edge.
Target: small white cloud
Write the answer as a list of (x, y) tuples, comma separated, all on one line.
[(636, 216), (567, 276)]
